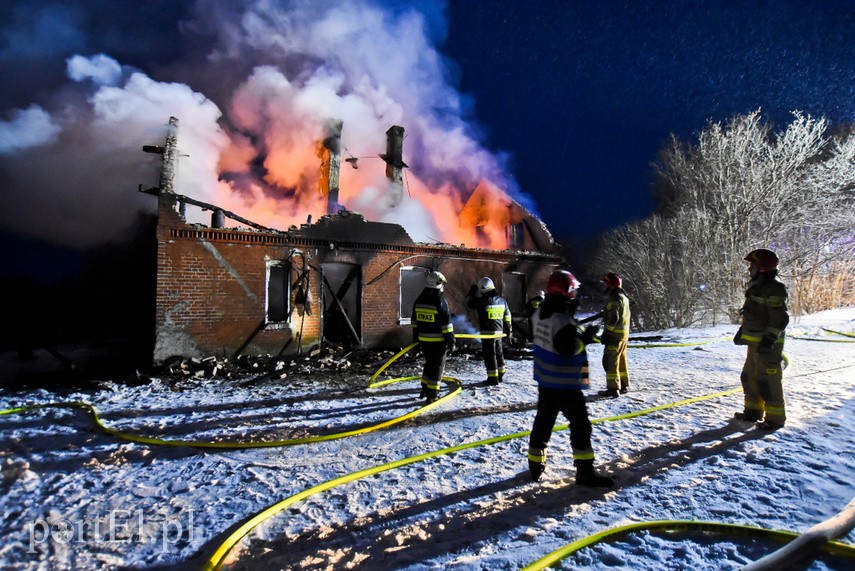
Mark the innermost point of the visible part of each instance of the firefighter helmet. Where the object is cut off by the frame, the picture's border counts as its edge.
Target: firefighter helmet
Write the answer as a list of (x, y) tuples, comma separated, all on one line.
[(485, 285), (614, 281), (434, 280), (564, 283), (765, 260)]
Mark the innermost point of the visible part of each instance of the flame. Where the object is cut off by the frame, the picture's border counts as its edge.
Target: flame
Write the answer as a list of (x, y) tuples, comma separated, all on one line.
[(290, 189)]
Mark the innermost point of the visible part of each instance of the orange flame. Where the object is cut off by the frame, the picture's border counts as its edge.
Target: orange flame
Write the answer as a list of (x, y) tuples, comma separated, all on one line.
[(290, 191)]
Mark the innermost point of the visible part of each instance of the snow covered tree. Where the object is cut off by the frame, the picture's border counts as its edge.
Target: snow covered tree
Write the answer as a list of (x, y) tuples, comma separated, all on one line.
[(741, 187)]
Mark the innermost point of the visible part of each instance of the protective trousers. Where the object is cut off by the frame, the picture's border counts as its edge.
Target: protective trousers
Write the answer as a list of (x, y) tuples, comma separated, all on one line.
[(614, 363), (494, 359), (762, 384), (435, 353), (571, 403)]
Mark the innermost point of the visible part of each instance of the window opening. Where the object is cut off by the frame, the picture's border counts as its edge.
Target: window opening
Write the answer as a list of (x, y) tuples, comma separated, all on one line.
[(412, 284), (278, 293)]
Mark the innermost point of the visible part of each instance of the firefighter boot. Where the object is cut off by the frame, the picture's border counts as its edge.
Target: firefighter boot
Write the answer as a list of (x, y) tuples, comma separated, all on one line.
[(536, 469), (586, 476), (490, 382), (749, 416), (431, 395), (769, 425)]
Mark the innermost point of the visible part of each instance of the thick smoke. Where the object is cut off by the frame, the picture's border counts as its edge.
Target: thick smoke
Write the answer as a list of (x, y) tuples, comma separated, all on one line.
[(253, 88)]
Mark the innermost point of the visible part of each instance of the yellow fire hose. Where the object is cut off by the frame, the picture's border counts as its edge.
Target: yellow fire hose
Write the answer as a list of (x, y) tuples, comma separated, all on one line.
[(219, 556), (833, 547)]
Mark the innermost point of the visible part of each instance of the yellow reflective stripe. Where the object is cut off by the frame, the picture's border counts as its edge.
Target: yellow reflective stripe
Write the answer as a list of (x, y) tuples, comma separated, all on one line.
[(495, 312), (775, 410), (430, 384), (583, 454), (432, 339), (537, 455), (425, 315), (448, 328), (773, 371), (756, 338)]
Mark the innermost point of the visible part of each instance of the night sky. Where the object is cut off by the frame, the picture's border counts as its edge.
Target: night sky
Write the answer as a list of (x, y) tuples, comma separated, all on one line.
[(576, 98), (585, 94)]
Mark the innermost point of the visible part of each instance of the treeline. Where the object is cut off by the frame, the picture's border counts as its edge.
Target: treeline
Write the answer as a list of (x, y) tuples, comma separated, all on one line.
[(741, 186)]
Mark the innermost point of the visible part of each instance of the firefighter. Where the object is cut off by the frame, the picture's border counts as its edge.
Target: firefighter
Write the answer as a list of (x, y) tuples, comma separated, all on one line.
[(494, 318), (561, 372), (764, 318), (615, 335), (434, 332)]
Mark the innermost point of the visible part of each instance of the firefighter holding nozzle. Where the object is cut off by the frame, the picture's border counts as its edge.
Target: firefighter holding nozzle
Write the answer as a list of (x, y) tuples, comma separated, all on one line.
[(561, 372), (434, 332)]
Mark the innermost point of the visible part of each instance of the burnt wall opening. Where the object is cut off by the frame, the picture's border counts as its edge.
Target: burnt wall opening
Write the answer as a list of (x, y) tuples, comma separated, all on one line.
[(342, 292)]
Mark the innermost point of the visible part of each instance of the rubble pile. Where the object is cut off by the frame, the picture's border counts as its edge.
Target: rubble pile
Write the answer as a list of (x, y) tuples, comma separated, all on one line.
[(325, 358)]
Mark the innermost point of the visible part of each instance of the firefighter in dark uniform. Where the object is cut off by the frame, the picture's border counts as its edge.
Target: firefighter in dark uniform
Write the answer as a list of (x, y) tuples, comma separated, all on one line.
[(494, 318), (764, 318), (561, 372), (615, 336), (433, 331)]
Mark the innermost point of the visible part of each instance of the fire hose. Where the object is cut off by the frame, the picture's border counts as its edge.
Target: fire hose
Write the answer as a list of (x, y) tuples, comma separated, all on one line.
[(217, 559)]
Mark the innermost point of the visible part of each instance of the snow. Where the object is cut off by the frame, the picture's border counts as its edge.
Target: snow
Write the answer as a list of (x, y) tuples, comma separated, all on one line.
[(74, 497)]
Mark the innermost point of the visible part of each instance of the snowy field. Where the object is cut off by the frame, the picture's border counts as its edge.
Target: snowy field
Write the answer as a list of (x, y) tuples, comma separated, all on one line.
[(74, 497)]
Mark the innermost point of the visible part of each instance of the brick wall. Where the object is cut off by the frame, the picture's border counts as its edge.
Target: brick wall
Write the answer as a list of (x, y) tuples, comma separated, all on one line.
[(211, 287)]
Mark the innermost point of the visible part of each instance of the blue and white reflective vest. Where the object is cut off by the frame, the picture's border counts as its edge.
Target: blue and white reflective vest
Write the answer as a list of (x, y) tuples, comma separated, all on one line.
[(551, 368)]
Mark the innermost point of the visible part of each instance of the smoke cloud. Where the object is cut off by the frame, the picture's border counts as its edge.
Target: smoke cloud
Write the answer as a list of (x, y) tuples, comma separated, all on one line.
[(253, 83)]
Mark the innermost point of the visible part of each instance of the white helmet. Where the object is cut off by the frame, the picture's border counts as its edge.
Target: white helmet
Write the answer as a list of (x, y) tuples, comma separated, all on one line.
[(485, 285), (435, 280)]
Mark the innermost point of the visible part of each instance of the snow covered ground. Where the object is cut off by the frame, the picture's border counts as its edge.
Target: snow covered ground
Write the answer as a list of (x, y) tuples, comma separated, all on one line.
[(74, 497)]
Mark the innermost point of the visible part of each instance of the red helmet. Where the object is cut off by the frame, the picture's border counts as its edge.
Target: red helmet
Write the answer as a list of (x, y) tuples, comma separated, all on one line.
[(562, 282), (765, 260), (614, 281)]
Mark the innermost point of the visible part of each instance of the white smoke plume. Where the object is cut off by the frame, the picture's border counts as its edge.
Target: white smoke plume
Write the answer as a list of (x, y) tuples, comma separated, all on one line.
[(252, 97), (27, 128)]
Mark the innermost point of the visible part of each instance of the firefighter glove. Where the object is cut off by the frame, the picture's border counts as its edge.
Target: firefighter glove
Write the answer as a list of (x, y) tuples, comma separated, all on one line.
[(589, 334), (450, 345), (472, 291), (767, 343), (607, 338), (737, 339)]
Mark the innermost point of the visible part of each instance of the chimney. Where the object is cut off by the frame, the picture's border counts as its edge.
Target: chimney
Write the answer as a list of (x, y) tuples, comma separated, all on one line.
[(330, 153), (394, 161), (394, 154), (169, 153)]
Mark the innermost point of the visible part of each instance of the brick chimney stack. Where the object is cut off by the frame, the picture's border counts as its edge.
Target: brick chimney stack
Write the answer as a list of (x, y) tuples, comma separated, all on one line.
[(330, 154), (394, 154)]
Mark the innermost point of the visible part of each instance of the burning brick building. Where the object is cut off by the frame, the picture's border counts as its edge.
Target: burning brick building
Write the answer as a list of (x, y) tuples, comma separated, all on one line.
[(250, 289)]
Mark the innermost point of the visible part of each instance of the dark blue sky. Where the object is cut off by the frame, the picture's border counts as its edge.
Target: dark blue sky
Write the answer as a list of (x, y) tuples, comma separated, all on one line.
[(580, 95), (585, 94)]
